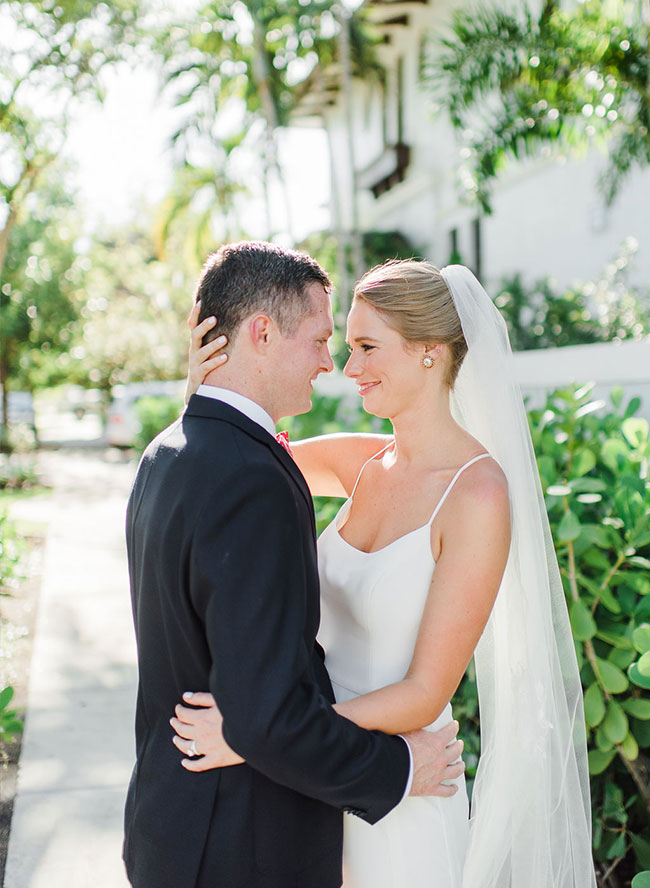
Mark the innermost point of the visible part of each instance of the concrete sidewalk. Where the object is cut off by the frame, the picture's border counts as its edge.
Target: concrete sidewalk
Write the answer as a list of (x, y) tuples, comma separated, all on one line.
[(77, 748)]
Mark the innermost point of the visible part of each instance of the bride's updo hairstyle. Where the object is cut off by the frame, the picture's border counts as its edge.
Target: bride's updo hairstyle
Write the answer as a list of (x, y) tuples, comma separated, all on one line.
[(413, 299)]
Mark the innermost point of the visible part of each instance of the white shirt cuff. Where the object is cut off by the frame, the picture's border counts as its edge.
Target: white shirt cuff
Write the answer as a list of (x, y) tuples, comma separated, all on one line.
[(409, 782)]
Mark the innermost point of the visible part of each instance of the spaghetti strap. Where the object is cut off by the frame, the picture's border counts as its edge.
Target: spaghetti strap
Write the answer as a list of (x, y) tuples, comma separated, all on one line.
[(451, 484), (374, 456)]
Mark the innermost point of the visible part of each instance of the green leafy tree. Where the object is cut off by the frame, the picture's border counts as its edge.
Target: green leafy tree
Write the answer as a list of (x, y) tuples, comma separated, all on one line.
[(515, 81), (37, 307), (132, 313), (50, 55)]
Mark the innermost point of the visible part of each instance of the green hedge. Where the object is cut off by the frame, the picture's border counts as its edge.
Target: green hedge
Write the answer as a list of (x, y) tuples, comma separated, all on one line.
[(593, 462), (154, 415)]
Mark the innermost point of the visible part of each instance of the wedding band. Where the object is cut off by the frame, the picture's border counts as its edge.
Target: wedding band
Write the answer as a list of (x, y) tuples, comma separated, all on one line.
[(192, 751)]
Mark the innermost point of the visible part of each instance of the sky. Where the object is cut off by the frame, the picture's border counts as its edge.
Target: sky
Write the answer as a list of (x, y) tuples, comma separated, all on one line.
[(121, 157)]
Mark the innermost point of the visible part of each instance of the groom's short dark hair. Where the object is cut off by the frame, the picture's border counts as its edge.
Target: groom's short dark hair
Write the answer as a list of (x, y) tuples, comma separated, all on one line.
[(250, 276)]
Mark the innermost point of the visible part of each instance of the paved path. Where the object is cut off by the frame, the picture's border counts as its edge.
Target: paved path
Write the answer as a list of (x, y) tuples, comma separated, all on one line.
[(77, 748)]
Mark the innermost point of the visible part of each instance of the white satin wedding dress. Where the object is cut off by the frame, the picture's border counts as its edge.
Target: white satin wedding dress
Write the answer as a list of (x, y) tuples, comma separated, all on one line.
[(372, 604)]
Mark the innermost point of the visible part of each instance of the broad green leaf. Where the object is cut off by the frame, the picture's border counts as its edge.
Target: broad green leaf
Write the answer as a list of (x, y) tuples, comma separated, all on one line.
[(641, 638), (546, 466), (641, 850), (618, 847), (638, 582), (639, 561), (587, 485), (596, 534), (616, 396), (568, 528), (630, 748), (618, 641), (583, 463), (637, 707), (599, 761), (5, 697), (615, 724), (635, 430), (632, 407), (644, 665), (583, 624), (603, 742), (640, 539), (609, 601), (641, 880), (613, 451), (642, 681), (611, 677), (622, 657), (594, 705)]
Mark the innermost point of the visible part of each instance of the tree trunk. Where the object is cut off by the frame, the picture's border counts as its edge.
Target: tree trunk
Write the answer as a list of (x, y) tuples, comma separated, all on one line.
[(4, 235), (262, 79), (346, 101), (337, 229), (4, 392)]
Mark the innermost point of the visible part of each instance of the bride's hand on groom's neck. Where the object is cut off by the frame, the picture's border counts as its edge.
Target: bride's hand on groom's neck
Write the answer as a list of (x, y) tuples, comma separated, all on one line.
[(203, 359)]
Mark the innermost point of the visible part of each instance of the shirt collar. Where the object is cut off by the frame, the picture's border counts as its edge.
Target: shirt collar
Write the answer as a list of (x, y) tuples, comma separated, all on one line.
[(245, 405)]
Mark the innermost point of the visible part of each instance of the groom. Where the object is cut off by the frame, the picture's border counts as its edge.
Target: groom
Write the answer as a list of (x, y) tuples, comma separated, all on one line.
[(222, 560)]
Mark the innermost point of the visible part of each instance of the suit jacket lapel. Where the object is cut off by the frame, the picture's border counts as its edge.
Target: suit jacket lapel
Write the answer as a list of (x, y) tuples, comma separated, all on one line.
[(211, 408)]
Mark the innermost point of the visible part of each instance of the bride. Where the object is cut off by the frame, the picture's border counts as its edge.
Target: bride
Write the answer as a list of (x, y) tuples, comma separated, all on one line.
[(440, 552)]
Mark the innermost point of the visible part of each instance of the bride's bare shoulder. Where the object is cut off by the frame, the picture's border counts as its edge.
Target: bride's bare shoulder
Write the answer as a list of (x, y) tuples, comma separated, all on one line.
[(480, 495)]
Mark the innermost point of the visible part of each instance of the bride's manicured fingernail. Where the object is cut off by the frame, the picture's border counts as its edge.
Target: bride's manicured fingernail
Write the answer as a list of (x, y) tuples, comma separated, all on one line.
[(221, 340), (188, 694)]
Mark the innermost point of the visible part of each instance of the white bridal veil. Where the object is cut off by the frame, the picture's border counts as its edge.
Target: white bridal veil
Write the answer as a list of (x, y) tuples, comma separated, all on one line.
[(531, 819)]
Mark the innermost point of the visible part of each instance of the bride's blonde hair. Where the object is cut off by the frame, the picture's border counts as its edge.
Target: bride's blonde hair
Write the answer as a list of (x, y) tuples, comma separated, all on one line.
[(413, 298)]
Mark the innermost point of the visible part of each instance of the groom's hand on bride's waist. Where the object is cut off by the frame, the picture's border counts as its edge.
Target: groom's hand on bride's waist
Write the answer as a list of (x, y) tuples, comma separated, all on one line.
[(436, 758)]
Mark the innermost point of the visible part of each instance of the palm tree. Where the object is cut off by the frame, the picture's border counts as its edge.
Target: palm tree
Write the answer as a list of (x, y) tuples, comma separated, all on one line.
[(513, 82), (247, 53)]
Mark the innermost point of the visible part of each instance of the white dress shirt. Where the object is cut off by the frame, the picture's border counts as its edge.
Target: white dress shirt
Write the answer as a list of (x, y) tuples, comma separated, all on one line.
[(258, 414), (245, 405)]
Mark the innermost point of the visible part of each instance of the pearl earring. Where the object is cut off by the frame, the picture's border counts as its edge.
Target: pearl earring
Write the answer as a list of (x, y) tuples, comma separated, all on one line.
[(428, 362)]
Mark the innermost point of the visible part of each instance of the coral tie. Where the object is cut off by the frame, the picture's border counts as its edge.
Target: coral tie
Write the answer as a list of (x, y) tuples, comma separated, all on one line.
[(283, 440)]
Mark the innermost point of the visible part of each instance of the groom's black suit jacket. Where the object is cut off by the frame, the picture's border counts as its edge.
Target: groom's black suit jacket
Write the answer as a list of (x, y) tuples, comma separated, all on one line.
[(222, 560)]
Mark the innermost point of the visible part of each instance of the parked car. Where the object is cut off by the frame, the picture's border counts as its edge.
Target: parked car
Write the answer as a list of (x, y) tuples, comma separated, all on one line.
[(20, 409), (122, 423)]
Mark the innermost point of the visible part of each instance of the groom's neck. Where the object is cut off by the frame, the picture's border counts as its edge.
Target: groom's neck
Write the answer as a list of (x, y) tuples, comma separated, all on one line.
[(245, 381)]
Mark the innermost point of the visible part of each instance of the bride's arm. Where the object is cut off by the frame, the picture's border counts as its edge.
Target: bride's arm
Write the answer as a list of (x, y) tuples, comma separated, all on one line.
[(330, 463), (465, 584)]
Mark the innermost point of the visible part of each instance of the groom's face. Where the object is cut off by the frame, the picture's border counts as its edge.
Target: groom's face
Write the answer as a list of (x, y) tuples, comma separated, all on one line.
[(304, 355)]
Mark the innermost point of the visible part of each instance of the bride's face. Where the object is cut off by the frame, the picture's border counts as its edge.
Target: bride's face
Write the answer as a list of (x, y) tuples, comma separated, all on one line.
[(388, 372)]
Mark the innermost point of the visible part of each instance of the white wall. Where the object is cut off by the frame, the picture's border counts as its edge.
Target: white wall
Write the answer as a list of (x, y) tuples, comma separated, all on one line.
[(608, 364)]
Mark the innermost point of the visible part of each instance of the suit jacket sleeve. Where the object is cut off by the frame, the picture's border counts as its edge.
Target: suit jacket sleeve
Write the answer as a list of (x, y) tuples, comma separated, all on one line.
[(248, 582)]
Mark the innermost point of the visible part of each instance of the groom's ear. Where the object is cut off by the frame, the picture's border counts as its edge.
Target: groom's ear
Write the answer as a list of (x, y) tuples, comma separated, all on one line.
[(262, 329)]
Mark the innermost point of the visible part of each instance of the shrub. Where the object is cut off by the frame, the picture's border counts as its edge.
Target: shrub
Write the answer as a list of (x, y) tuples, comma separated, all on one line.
[(10, 724), (154, 415), (9, 552), (539, 316), (594, 475)]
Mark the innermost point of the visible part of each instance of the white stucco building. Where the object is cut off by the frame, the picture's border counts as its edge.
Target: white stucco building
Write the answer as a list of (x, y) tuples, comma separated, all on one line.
[(548, 216)]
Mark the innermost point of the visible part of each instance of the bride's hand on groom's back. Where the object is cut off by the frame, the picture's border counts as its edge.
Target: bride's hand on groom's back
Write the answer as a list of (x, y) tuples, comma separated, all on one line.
[(436, 757), (199, 733), (202, 358)]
